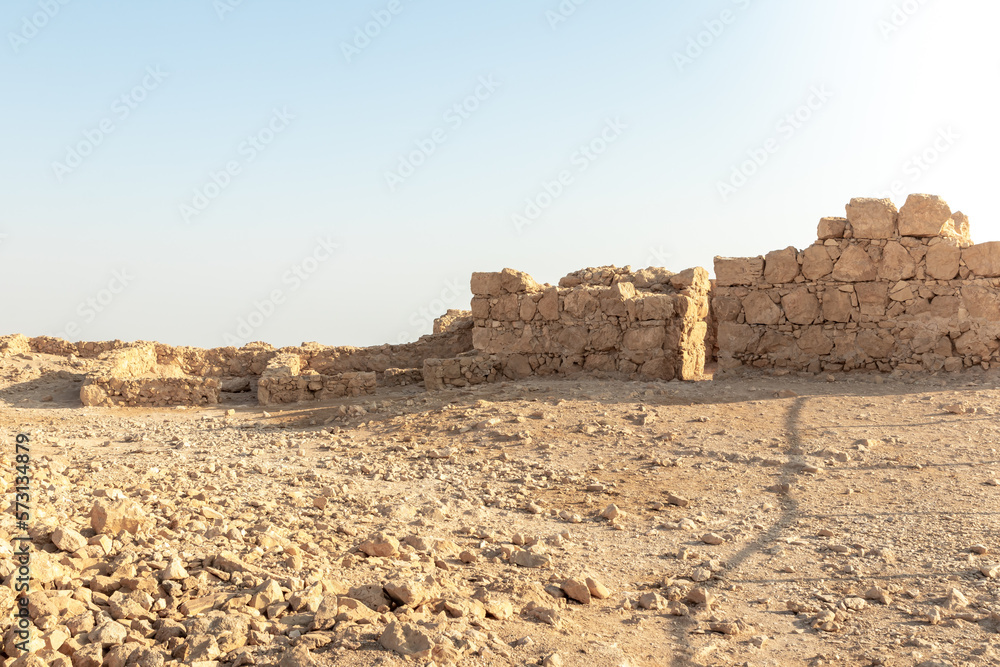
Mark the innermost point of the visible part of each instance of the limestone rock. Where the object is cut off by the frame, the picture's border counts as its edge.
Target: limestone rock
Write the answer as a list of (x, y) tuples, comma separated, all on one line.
[(67, 539), (781, 266), (758, 308), (831, 228), (942, 261), (406, 639), (576, 590), (800, 306), (872, 218), (923, 215), (896, 264), (854, 265), (738, 270), (117, 516), (380, 545), (983, 259), (816, 262)]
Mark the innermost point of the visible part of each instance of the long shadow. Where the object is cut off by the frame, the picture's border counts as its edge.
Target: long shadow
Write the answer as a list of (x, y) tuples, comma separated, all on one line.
[(789, 511)]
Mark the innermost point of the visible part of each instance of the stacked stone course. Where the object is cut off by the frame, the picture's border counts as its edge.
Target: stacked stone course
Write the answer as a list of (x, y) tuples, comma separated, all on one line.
[(880, 289), (284, 382), (129, 377), (648, 324)]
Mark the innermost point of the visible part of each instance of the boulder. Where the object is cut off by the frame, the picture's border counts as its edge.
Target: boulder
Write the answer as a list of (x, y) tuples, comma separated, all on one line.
[(117, 516)]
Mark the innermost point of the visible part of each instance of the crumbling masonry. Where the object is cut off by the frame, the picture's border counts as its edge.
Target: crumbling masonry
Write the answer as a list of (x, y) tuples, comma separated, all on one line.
[(881, 289)]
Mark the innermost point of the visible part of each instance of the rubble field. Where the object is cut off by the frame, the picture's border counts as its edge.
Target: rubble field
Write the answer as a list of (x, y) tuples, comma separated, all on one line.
[(757, 519)]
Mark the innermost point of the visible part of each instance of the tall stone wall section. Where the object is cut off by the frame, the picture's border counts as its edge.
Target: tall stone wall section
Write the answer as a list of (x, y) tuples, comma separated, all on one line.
[(648, 324), (880, 289)]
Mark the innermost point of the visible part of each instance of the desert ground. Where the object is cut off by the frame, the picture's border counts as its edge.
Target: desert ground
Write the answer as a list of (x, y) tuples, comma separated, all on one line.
[(754, 519)]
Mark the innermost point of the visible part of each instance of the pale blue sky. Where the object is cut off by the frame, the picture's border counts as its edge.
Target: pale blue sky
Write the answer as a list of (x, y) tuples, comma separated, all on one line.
[(310, 129)]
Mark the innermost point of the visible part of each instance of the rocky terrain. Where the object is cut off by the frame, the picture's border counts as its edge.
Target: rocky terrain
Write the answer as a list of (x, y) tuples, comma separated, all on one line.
[(764, 519)]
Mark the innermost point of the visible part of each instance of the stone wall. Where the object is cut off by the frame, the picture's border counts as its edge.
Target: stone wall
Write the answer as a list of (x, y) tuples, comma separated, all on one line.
[(880, 289), (648, 324), (251, 359), (283, 382), (130, 376)]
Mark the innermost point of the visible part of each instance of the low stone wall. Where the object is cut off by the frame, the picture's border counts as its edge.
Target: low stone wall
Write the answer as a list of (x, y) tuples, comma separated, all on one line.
[(282, 383), (880, 289), (129, 376), (648, 324), (251, 359), (278, 391), (469, 369), (150, 392)]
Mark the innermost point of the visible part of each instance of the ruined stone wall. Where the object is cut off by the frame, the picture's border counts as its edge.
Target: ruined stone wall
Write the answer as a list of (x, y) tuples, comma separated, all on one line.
[(648, 324), (880, 289), (251, 359), (283, 381), (130, 376)]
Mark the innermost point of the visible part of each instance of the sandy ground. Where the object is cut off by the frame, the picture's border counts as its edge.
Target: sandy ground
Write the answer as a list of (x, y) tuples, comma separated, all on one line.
[(795, 520)]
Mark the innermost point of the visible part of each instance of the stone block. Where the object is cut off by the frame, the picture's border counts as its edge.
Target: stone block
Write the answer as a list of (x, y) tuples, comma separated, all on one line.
[(781, 266), (800, 306), (983, 259), (758, 308), (872, 218), (486, 284), (816, 263), (517, 282), (896, 263), (924, 215), (942, 260), (831, 228), (854, 266), (738, 270)]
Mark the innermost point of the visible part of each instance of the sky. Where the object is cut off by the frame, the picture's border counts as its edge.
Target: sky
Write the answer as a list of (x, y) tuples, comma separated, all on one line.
[(214, 172)]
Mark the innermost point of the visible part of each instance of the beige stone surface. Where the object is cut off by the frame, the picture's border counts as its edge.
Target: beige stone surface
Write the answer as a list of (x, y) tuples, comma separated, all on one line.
[(872, 218), (924, 215)]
